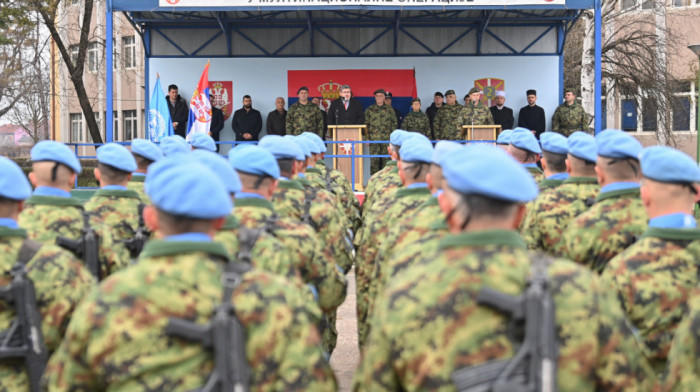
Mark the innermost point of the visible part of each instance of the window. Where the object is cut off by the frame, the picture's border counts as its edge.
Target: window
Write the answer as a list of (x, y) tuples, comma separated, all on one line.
[(648, 4), (115, 129), (76, 127), (681, 114), (114, 54), (627, 4), (129, 44), (99, 125), (93, 57), (649, 116), (74, 54), (130, 124)]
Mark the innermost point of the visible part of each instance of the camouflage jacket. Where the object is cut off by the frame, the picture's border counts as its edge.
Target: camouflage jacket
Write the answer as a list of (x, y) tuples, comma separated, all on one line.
[(305, 118), (548, 183), (48, 217), (347, 197), (478, 114), (428, 324), (610, 226), (536, 173), (568, 119), (550, 214), (416, 122), (384, 187), (375, 180), (60, 282), (116, 339), (136, 184), (303, 247), (448, 122), (654, 280), (683, 371), (381, 122), (117, 210)]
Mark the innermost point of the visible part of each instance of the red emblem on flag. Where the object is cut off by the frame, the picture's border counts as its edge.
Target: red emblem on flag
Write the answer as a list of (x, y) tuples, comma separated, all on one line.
[(489, 86), (222, 92)]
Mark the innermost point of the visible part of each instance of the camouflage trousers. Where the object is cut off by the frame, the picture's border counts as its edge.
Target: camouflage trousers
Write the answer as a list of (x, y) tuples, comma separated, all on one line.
[(330, 333), (376, 164)]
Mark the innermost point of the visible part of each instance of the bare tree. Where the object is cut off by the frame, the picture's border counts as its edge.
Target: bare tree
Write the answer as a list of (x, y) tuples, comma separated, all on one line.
[(15, 34)]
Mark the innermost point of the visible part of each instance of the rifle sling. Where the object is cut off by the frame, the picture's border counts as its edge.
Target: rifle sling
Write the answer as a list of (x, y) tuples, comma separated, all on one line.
[(28, 250)]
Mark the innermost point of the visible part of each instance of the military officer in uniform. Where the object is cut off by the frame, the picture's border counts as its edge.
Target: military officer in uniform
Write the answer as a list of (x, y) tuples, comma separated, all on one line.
[(380, 120), (474, 112), (569, 116), (416, 120), (304, 116), (448, 120)]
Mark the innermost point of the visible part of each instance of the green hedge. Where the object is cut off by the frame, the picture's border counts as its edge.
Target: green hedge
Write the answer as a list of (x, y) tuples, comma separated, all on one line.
[(85, 179)]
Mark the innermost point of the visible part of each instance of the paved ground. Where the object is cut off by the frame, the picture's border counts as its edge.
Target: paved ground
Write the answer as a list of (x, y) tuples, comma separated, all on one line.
[(346, 355)]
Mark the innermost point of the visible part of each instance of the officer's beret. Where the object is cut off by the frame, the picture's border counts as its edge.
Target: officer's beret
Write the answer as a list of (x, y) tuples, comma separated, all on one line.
[(415, 100), (298, 152), (474, 90), (504, 136), (255, 160), (582, 146), (280, 147), (614, 143), (179, 185), (388, 94), (13, 182), (397, 137), (380, 91), (417, 148), (302, 89), (554, 142), (666, 164), (221, 167), (531, 92), (525, 140), (203, 141), (488, 171), (450, 92), (146, 149), (501, 93), (316, 139), (174, 145), (49, 150), (117, 156), (442, 148)]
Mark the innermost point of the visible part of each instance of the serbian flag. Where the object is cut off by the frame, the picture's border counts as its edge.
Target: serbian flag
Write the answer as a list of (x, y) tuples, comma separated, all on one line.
[(326, 85), (200, 107)]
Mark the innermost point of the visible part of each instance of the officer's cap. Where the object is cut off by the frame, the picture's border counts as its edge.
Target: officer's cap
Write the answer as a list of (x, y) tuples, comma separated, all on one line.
[(666, 164), (380, 91), (255, 160), (417, 148), (617, 144), (554, 142), (174, 145), (397, 137), (280, 147), (203, 141), (450, 92), (582, 146), (504, 137), (179, 185), (13, 182), (525, 140), (474, 90), (317, 140), (117, 156), (442, 148), (146, 149), (302, 88), (52, 151), (488, 171), (219, 166)]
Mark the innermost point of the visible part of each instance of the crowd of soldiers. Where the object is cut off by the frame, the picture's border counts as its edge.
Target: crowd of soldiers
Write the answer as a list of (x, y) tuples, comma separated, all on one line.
[(187, 270)]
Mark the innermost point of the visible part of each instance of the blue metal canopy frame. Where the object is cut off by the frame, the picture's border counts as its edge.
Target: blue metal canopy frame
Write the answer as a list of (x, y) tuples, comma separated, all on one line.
[(149, 19)]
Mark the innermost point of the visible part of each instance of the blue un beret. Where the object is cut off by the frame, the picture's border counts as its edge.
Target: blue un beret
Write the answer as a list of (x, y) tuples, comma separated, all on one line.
[(313, 147), (316, 139), (221, 167), (666, 164), (280, 147), (146, 149), (49, 150), (294, 147), (525, 140), (554, 142), (173, 145), (504, 137), (488, 171), (117, 156), (255, 160), (203, 141), (13, 182), (397, 137), (179, 185), (417, 148), (614, 143), (582, 146), (443, 147), (304, 144)]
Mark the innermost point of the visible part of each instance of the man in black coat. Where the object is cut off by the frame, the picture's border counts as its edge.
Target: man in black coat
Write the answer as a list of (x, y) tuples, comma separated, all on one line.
[(217, 122), (247, 122), (346, 110), (277, 119), (433, 109), (399, 117), (502, 115), (179, 112), (532, 116)]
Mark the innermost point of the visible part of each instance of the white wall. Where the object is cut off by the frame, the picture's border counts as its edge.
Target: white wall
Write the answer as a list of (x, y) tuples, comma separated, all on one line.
[(264, 79)]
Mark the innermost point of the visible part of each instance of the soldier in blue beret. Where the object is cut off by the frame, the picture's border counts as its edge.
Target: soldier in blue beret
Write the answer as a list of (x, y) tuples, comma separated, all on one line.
[(174, 144), (525, 148), (503, 139), (554, 150), (145, 152), (203, 141), (616, 219)]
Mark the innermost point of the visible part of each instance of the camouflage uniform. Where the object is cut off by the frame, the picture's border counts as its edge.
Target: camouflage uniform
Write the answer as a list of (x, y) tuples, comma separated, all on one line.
[(606, 229), (375, 180), (448, 122), (427, 324), (568, 119), (549, 183), (117, 210), (60, 282), (305, 118), (48, 217), (683, 372), (116, 336), (478, 114), (552, 211), (654, 280), (416, 121), (348, 198), (384, 188), (136, 184), (536, 172), (380, 121)]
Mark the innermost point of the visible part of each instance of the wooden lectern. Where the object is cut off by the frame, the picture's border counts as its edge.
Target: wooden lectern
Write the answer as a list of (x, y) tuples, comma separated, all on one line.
[(480, 132), (341, 133)]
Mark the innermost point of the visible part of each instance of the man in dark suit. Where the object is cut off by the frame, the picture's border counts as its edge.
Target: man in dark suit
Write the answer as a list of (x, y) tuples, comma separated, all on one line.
[(179, 112), (532, 116), (346, 110), (502, 115), (217, 122)]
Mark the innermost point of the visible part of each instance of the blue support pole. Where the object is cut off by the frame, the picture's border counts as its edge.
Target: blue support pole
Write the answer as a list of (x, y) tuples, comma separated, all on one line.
[(598, 66), (109, 72), (146, 77), (560, 49)]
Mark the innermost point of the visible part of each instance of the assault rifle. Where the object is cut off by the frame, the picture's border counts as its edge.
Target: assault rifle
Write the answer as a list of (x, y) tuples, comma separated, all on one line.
[(85, 248), (135, 245)]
